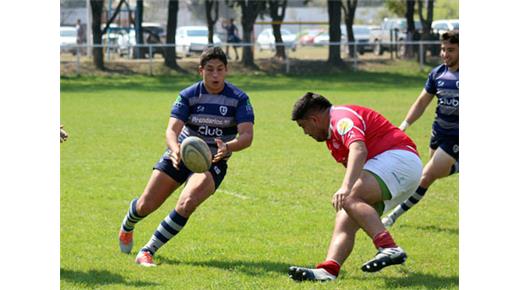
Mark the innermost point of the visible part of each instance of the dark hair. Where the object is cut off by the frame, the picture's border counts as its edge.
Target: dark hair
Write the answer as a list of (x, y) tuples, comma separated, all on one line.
[(212, 52), (451, 37), (310, 102)]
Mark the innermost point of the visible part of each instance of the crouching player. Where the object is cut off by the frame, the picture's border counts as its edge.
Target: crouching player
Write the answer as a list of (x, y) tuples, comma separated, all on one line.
[(382, 169)]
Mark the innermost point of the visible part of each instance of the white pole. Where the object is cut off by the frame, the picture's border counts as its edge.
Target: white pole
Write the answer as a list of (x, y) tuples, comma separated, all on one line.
[(89, 28), (421, 54), (355, 56), (150, 63), (78, 52), (287, 61)]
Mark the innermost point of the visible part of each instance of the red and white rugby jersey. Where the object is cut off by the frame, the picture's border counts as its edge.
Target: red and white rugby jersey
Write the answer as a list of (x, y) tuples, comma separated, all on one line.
[(349, 123)]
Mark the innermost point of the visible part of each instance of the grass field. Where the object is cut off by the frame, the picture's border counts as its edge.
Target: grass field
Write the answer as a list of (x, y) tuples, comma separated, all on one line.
[(273, 209)]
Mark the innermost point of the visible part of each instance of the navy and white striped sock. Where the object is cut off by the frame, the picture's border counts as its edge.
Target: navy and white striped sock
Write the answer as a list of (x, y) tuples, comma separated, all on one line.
[(407, 204), (131, 217), (167, 229)]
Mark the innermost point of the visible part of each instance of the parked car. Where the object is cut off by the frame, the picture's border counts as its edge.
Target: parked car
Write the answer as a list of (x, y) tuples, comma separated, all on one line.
[(307, 36), (265, 39), (124, 39), (392, 30), (321, 39), (112, 40), (189, 39), (444, 25), (68, 37), (362, 38)]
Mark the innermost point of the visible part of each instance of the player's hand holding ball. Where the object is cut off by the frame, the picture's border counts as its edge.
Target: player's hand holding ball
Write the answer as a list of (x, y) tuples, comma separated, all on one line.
[(222, 150)]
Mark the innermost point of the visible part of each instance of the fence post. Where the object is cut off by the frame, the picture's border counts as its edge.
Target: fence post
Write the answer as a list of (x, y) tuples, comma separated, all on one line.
[(391, 45), (150, 59), (421, 55), (355, 56), (287, 61), (77, 60)]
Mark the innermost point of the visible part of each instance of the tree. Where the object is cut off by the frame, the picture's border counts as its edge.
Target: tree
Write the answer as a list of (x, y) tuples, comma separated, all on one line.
[(397, 7), (446, 9), (211, 8), (250, 10), (426, 22), (350, 10), (97, 52), (334, 8), (410, 27), (139, 28), (170, 55), (277, 13)]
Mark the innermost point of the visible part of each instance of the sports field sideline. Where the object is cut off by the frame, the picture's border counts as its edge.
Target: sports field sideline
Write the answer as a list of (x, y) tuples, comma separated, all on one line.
[(272, 210)]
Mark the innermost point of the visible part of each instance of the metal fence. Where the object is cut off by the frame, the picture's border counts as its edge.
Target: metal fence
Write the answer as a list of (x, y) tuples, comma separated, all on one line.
[(422, 51)]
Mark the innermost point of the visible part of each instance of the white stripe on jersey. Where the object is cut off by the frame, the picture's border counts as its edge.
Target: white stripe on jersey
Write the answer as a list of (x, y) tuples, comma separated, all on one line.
[(344, 137), (353, 112), (361, 131)]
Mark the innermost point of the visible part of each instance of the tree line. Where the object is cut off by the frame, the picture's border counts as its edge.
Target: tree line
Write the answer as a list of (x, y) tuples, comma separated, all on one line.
[(250, 11)]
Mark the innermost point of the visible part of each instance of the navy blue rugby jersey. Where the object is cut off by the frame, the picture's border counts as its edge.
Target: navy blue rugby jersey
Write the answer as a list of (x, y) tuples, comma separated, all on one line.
[(445, 85), (211, 116)]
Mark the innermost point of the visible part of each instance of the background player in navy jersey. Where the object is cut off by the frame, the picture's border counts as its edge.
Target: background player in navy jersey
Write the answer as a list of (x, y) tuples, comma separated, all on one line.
[(213, 110), (443, 82), (231, 35)]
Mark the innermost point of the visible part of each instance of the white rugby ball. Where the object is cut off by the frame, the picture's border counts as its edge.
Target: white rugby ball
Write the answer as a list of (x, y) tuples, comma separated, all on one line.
[(195, 154)]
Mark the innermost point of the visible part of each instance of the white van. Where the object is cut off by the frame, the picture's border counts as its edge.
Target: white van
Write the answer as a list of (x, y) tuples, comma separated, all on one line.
[(444, 25), (68, 37)]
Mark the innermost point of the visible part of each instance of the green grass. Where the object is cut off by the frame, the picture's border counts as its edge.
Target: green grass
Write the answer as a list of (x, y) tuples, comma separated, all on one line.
[(116, 128)]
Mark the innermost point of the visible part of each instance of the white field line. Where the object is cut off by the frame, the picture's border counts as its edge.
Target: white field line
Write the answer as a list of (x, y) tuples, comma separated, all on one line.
[(233, 194)]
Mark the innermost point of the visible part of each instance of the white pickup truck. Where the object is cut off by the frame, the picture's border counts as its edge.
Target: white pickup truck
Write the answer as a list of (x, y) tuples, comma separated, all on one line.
[(388, 36)]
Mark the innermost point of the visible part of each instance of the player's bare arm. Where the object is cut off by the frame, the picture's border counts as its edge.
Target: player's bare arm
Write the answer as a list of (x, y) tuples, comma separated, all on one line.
[(417, 109), (172, 134), (356, 160)]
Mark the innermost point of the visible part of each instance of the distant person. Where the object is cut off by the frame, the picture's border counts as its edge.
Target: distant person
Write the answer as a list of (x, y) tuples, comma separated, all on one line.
[(63, 135), (231, 35), (81, 36), (214, 110), (443, 82), (382, 169)]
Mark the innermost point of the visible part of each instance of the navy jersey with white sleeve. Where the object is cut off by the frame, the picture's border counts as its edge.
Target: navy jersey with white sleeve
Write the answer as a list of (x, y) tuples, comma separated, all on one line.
[(445, 85), (209, 116)]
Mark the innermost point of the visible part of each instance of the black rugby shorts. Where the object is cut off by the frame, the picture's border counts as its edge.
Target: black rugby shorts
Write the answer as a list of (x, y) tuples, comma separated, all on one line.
[(450, 144), (218, 170)]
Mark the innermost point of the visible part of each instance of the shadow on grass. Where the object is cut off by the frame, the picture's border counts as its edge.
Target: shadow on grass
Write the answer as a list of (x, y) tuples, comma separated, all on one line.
[(416, 280), (94, 278), (434, 228), (338, 80), (248, 267)]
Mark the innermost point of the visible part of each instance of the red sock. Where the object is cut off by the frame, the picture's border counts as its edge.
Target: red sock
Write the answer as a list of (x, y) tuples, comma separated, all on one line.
[(384, 240), (330, 266)]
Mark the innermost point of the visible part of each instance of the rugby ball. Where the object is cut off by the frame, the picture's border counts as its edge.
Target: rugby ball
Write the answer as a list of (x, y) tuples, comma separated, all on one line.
[(195, 154)]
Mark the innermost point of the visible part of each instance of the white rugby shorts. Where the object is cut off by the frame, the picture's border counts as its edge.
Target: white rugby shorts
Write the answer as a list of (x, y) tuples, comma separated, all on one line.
[(400, 170)]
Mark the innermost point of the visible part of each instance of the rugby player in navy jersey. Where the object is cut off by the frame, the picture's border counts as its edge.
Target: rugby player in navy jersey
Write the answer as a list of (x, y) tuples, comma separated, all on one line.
[(443, 82), (214, 110)]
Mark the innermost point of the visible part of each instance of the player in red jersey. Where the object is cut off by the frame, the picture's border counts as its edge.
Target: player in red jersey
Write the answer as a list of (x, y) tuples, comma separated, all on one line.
[(382, 169)]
